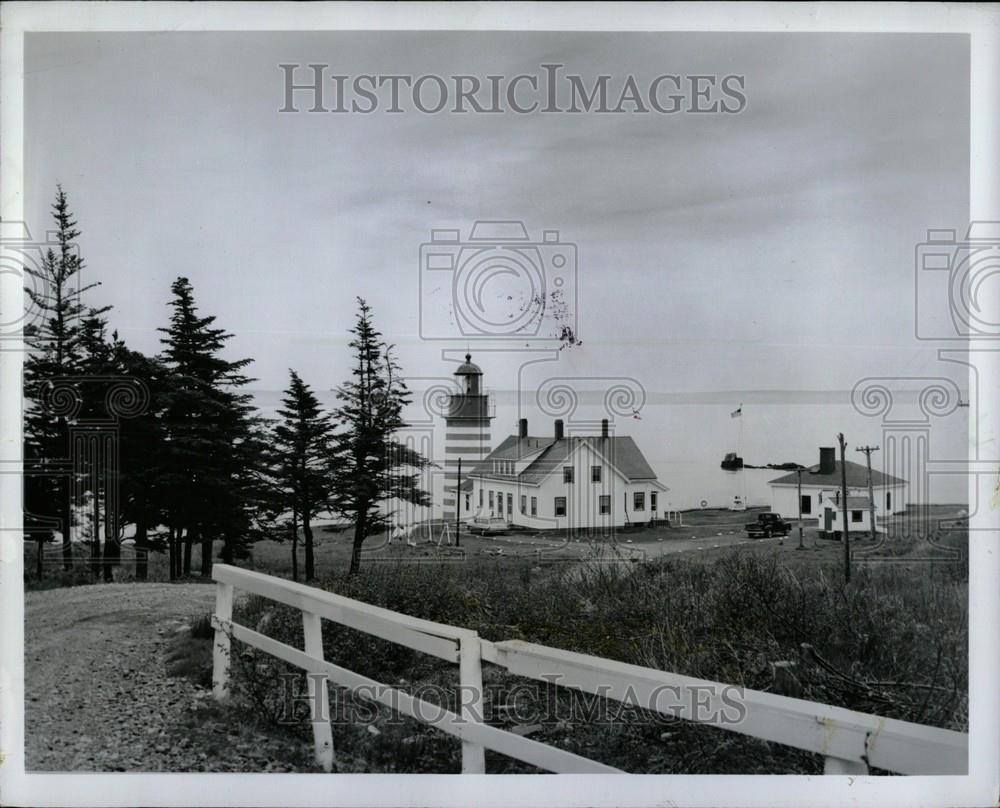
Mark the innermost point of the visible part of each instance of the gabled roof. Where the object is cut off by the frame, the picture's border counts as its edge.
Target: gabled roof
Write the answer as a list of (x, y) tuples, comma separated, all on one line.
[(514, 448), (853, 503), (857, 477), (621, 452)]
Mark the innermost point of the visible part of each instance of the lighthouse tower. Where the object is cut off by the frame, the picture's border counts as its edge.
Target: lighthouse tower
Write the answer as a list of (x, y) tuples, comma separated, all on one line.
[(467, 434)]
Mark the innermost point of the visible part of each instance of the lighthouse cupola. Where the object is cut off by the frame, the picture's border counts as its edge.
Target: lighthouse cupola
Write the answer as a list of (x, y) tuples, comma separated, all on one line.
[(470, 377)]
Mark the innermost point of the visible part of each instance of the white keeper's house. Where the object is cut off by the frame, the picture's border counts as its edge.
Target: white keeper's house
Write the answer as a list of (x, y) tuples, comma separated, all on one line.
[(822, 483), (580, 482)]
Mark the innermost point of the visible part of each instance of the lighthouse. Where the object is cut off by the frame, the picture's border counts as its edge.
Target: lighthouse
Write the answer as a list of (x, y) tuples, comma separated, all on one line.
[(467, 434)]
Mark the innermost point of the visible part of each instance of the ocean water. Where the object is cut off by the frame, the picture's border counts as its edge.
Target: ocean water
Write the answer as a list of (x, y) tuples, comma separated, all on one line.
[(685, 436)]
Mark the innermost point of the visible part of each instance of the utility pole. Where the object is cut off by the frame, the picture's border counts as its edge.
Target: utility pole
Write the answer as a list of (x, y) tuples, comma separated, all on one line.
[(871, 494), (798, 471), (458, 505), (843, 493)]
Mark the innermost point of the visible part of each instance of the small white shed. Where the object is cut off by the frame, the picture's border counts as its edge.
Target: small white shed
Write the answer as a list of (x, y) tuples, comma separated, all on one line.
[(831, 517)]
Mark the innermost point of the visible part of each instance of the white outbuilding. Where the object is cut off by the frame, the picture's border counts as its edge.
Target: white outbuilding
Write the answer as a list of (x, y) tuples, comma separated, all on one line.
[(578, 482), (823, 480), (831, 517)]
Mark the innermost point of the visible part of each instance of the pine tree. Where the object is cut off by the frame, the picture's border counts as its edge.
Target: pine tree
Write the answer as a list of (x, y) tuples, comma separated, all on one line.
[(97, 363), (371, 469), (57, 352), (142, 452), (208, 423), (298, 466)]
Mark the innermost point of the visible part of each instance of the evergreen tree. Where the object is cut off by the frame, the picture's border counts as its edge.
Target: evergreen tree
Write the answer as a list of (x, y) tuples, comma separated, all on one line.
[(298, 467), (58, 347), (97, 369), (371, 469), (142, 454), (208, 424)]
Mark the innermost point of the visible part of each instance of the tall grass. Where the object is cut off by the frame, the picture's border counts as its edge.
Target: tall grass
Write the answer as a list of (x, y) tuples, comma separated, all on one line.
[(893, 642)]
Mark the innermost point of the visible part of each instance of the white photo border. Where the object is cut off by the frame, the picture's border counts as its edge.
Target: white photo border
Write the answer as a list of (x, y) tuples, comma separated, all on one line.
[(979, 787)]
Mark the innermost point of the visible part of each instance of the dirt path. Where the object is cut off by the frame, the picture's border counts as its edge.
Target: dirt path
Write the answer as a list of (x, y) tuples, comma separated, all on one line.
[(96, 694), (98, 698)]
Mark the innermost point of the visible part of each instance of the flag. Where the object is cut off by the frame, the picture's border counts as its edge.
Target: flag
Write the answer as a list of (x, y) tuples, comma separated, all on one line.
[(737, 412)]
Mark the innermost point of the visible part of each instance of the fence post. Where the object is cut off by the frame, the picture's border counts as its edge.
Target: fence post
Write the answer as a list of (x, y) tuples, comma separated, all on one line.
[(312, 629), (470, 679), (832, 765), (221, 648)]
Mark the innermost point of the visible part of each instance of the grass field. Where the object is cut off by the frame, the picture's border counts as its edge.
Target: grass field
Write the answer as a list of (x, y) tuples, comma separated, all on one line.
[(701, 600), (704, 534), (892, 642)]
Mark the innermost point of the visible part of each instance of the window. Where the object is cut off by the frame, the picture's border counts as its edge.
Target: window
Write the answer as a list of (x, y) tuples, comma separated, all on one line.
[(888, 502), (567, 474), (510, 504), (524, 504), (468, 504), (605, 503), (480, 497), (856, 516), (595, 474), (560, 506), (499, 503), (639, 501), (491, 500), (534, 506), (652, 501), (806, 503)]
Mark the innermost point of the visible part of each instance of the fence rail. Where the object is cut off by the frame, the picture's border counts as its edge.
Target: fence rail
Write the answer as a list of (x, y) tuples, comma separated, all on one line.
[(849, 741)]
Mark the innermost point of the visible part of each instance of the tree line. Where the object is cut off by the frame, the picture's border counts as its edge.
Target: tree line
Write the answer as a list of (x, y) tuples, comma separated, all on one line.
[(196, 464)]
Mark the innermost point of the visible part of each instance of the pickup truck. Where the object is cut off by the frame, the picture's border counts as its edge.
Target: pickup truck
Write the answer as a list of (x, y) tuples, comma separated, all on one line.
[(767, 525)]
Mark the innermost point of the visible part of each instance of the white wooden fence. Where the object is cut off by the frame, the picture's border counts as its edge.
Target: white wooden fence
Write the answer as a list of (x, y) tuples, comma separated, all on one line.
[(849, 741)]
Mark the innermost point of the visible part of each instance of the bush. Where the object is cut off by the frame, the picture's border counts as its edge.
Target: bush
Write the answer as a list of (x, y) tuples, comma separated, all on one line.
[(893, 642)]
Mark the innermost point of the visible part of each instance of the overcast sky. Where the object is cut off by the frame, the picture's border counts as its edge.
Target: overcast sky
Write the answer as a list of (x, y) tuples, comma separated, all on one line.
[(772, 249)]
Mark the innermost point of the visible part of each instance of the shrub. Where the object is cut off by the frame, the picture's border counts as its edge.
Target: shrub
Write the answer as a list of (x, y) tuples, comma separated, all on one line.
[(892, 642)]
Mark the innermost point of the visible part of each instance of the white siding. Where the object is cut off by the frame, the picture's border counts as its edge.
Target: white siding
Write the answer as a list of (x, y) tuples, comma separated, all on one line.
[(583, 497), (837, 519), (785, 499)]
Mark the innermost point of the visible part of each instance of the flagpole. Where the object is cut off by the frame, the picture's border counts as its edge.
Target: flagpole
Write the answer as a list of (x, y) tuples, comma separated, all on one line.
[(743, 473)]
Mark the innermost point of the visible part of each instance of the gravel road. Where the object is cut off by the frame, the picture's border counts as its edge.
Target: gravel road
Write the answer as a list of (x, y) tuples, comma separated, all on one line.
[(97, 696)]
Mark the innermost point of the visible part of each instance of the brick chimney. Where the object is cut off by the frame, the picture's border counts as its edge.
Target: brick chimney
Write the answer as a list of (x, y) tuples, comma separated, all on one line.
[(522, 428), (827, 460), (604, 427), (559, 429)]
